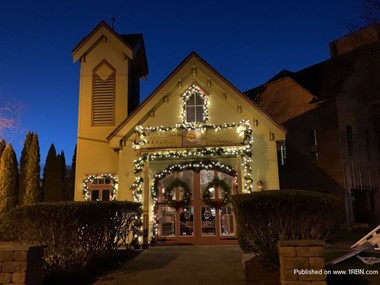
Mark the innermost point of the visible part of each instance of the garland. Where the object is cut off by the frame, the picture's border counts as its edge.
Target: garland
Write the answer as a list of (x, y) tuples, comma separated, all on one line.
[(178, 204), (195, 166), (193, 89), (217, 203), (91, 178), (245, 151), (243, 128)]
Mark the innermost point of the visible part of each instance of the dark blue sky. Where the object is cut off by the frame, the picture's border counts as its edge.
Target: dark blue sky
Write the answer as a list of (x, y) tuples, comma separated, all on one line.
[(246, 41)]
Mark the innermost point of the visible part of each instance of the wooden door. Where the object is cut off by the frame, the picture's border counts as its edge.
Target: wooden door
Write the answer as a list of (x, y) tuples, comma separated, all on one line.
[(198, 223)]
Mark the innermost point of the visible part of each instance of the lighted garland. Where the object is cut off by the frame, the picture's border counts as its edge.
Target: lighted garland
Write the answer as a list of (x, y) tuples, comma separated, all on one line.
[(217, 203), (245, 151), (178, 204), (243, 129), (195, 166), (193, 89), (92, 178)]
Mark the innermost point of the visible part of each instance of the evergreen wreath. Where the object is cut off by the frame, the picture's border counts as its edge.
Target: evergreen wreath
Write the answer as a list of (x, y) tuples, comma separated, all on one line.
[(178, 204), (217, 203)]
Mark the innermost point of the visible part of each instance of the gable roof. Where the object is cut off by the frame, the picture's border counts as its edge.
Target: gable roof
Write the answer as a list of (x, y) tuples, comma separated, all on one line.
[(136, 41), (323, 80), (361, 37), (152, 99), (97, 35)]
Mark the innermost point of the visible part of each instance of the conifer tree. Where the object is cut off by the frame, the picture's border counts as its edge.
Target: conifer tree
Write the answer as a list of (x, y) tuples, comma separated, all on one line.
[(23, 159), (2, 146), (61, 161), (8, 179), (70, 181), (51, 174), (32, 175)]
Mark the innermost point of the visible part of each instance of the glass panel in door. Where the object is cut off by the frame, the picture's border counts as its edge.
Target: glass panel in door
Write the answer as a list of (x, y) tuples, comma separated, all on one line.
[(227, 221), (208, 221), (186, 218)]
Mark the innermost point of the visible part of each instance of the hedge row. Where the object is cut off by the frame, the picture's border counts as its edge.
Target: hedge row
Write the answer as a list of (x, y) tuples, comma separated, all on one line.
[(264, 218), (76, 233)]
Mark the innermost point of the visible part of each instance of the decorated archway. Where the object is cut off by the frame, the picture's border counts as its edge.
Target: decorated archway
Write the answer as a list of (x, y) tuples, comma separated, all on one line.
[(191, 203), (240, 150)]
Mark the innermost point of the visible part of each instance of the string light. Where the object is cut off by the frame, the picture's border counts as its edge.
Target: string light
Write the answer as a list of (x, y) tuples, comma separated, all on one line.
[(243, 129), (191, 91), (195, 166), (245, 151), (92, 178)]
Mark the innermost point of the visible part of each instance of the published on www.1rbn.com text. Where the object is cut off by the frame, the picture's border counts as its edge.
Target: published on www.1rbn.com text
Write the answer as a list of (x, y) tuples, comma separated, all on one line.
[(352, 271)]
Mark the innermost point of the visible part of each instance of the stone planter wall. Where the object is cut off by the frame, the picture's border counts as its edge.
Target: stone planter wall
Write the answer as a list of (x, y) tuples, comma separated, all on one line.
[(20, 264), (302, 262)]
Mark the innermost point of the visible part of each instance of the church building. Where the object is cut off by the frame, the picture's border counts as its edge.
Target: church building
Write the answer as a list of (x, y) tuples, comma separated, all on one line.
[(183, 152)]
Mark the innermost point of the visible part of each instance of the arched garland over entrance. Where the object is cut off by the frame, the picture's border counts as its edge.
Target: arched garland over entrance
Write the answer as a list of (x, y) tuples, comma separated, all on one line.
[(243, 128), (196, 166)]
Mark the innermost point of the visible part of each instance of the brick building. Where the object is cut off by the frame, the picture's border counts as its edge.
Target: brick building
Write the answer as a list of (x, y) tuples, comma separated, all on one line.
[(332, 113)]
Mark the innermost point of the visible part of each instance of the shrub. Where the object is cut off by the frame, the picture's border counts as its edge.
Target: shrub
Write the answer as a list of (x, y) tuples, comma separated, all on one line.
[(264, 218), (76, 233)]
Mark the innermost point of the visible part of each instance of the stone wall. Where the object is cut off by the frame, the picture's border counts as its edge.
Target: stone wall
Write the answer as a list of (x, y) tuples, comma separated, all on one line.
[(302, 262), (20, 264)]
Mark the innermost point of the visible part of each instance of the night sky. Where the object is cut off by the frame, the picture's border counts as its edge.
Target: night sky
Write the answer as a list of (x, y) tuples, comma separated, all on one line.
[(246, 41)]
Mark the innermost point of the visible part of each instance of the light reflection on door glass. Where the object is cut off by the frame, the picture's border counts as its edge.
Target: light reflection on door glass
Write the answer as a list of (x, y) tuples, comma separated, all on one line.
[(227, 221), (187, 222), (166, 221), (208, 221)]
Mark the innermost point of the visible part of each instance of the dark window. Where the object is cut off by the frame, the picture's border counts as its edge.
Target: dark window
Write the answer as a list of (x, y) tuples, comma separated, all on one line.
[(314, 144), (105, 195), (101, 195), (95, 195), (281, 150)]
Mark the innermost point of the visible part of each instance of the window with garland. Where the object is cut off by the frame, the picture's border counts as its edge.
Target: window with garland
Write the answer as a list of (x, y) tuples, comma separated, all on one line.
[(194, 105), (194, 109), (100, 189)]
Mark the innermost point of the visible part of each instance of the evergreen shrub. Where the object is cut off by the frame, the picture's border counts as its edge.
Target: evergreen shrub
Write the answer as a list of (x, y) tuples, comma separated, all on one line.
[(77, 234), (264, 218)]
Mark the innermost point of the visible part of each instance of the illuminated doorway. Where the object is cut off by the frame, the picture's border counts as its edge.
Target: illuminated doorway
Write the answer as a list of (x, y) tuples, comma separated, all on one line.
[(199, 220)]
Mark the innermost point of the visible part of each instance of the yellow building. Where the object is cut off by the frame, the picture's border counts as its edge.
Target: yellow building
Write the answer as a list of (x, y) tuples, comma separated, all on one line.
[(194, 142)]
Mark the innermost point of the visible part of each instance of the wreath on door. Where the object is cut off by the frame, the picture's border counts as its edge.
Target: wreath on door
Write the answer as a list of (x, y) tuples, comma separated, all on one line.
[(217, 203), (178, 204)]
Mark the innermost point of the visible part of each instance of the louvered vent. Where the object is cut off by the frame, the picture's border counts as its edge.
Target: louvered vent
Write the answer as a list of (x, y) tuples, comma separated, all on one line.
[(103, 98)]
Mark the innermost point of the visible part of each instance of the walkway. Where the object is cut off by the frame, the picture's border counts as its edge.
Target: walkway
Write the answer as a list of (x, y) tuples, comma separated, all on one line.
[(180, 265)]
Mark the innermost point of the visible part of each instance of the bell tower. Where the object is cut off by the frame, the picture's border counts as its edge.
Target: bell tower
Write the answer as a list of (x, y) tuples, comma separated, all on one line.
[(111, 66)]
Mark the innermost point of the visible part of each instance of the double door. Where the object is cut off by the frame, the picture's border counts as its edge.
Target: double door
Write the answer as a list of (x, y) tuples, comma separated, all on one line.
[(197, 222)]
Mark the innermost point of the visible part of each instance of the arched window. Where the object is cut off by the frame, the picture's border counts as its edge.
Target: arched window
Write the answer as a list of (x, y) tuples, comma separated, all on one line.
[(194, 103)]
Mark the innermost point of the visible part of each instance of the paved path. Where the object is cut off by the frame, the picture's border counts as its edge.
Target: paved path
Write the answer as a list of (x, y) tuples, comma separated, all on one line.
[(180, 265)]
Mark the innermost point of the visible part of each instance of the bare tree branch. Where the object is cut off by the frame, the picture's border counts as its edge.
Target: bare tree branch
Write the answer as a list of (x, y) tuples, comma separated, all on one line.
[(9, 111)]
